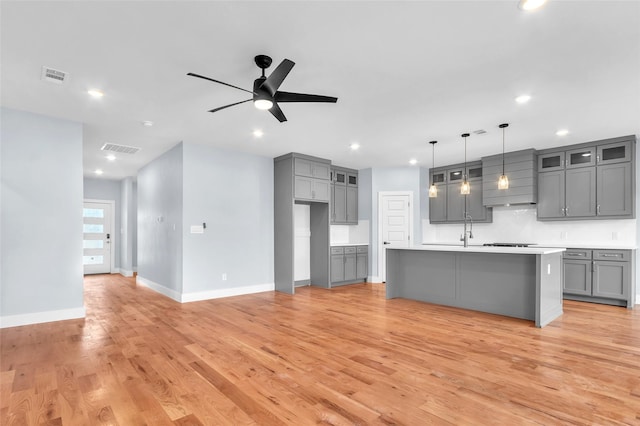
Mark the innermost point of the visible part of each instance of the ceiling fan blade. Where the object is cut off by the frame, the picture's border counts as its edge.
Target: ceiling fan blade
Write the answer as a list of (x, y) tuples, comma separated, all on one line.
[(277, 112), (220, 82), (277, 76), (302, 97), (230, 105)]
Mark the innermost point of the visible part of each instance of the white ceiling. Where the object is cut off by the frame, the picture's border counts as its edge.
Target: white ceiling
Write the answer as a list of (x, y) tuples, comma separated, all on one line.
[(404, 72)]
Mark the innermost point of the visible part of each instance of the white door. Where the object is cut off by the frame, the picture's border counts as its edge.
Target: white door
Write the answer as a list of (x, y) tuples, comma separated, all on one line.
[(396, 225), (98, 236)]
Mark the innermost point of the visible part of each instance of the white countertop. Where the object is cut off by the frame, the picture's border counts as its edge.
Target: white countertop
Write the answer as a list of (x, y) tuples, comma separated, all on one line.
[(349, 244), (590, 246), (483, 249)]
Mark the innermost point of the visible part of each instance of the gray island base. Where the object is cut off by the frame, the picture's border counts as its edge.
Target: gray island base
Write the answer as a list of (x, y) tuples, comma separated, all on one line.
[(516, 282)]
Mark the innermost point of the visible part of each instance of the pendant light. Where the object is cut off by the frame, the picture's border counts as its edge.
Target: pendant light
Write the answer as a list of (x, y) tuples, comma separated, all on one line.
[(433, 190), (503, 181), (465, 188)]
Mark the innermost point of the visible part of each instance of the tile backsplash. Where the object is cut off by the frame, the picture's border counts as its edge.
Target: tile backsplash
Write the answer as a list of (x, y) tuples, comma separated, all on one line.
[(519, 224)]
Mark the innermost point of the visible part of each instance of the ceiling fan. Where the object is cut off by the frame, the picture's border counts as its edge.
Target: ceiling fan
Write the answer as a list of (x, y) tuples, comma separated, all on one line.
[(265, 89)]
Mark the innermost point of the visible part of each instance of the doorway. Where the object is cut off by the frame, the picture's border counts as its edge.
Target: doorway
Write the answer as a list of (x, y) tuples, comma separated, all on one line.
[(98, 239), (395, 224)]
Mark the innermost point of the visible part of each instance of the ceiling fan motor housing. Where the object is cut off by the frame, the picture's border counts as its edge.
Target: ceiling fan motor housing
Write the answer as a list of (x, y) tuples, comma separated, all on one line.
[(260, 92)]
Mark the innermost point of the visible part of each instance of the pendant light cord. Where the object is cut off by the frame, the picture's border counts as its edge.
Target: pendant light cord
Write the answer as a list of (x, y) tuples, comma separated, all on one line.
[(503, 151)]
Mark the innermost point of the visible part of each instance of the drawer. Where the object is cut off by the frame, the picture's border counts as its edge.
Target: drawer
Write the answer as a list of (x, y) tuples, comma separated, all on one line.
[(337, 250), (623, 255), (363, 249), (349, 250), (577, 254)]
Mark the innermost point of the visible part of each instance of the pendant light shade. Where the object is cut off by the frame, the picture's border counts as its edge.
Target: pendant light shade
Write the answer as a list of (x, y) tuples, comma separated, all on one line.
[(433, 190), (465, 188), (503, 181)]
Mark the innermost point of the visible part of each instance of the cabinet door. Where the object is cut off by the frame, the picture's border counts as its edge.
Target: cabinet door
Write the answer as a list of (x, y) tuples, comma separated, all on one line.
[(352, 205), (321, 190), (438, 205), (321, 171), (610, 279), (476, 210), (580, 192), (361, 266), (577, 277), (337, 268), (350, 267), (551, 162), (614, 153), (551, 194), (340, 204), (339, 177), (303, 187), (614, 190), (456, 203), (583, 157), (352, 179)]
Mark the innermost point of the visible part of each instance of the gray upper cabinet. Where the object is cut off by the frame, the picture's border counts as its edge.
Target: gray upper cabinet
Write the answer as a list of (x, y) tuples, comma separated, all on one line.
[(551, 162), (311, 180), (588, 181), (614, 153), (449, 206), (309, 168), (344, 196), (615, 190)]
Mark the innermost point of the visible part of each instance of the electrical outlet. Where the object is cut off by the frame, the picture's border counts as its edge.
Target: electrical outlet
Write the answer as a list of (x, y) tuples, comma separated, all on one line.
[(614, 235), (224, 276)]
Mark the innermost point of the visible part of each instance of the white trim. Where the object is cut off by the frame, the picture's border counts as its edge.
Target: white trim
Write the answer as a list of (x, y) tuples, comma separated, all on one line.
[(125, 272), (380, 239), (40, 317), (112, 268), (204, 295), (227, 292), (375, 280), (158, 288)]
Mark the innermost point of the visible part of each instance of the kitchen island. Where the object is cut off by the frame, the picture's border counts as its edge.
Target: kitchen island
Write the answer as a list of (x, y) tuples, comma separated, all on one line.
[(520, 282)]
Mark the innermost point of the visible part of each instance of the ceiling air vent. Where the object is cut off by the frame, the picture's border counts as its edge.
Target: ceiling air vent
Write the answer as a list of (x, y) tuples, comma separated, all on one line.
[(54, 76), (123, 149), (479, 132)]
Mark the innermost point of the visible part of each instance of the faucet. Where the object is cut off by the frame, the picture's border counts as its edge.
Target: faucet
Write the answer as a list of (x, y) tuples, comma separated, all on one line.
[(467, 234)]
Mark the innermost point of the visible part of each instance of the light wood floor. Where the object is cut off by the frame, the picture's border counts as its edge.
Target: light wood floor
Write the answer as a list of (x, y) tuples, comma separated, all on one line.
[(336, 357)]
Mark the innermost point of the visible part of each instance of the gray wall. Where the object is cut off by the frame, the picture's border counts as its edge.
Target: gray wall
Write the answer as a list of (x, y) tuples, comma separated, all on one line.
[(107, 189), (233, 194), (393, 179), (160, 220), (41, 215)]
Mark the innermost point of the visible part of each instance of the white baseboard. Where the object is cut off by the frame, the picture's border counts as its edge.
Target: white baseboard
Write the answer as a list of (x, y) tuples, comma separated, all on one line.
[(377, 280), (40, 317), (158, 288), (126, 272), (227, 292), (115, 271)]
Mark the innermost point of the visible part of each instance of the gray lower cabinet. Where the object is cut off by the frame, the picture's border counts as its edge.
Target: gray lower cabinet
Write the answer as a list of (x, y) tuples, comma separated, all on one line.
[(603, 276), (349, 264)]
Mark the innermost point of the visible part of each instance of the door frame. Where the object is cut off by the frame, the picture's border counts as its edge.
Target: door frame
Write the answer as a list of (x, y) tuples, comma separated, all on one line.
[(381, 268), (112, 249)]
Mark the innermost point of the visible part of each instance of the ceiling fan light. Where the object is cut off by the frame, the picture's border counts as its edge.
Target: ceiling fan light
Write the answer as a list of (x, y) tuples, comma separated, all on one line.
[(263, 103), (503, 182)]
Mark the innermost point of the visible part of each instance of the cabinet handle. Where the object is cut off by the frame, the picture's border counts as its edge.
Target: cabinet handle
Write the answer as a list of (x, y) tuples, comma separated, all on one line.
[(597, 158), (598, 209), (593, 266), (575, 254), (610, 255), (562, 211), (566, 211)]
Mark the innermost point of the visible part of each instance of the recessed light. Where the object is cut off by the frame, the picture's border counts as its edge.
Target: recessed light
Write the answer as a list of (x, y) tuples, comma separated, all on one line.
[(531, 4), (258, 133), (523, 99), (98, 172), (95, 93), (562, 132), (147, 123), (111, 157), (354, 146), (413, 161)]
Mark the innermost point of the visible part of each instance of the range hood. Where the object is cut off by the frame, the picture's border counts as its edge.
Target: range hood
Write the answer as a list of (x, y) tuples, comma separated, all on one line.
[(521, 168)]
